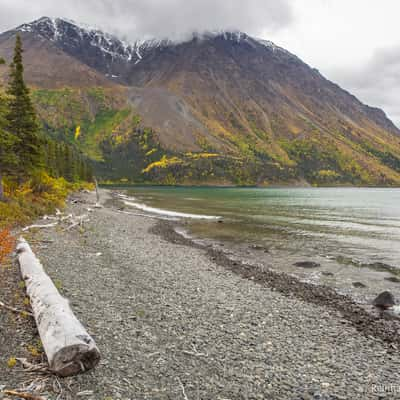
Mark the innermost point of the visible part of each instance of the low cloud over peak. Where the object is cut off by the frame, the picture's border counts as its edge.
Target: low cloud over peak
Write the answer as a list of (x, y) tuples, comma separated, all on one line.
[(173, 19)]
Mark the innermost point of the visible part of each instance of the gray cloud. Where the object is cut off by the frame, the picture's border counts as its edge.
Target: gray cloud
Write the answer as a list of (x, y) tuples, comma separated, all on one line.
[(174, 19), (376, 83)]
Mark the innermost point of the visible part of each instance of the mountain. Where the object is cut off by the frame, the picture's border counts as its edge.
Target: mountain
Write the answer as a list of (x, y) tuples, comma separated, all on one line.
[(220, 107), (47, 66)]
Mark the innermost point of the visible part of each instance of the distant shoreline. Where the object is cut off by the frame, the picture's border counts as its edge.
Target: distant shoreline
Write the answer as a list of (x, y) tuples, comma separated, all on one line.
[(111, 186)]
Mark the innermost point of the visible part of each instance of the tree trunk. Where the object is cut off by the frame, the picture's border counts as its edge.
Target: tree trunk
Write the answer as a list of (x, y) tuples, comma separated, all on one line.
[(69, 348), (1, 187), (97, 191)]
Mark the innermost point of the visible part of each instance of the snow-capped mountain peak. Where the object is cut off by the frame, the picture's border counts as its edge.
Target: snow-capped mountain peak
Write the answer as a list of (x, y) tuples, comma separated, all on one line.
[(68, 33), (64, 31), (82, 38), (115, 57)]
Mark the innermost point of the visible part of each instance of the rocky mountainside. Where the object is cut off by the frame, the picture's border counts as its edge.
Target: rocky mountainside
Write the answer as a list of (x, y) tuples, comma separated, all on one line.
[(101, 51), (221, 107)]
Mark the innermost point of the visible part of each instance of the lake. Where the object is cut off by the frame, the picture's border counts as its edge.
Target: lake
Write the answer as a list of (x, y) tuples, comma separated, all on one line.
[(353, 233)]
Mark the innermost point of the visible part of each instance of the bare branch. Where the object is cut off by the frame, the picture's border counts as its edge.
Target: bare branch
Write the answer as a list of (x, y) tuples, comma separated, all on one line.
[(182, 388), (15, 310), (23, 395)]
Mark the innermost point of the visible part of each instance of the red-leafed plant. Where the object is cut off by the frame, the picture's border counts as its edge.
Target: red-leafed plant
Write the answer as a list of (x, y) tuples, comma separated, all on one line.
[(7, 242)]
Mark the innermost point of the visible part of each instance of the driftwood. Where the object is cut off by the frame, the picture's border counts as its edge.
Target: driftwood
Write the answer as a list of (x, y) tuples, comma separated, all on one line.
[(182, 388), (14, 310), (97, 191), (74, 221), (29, 367), (22, 395), (39, 226), (97, 205), (68, 346), (78, 221)]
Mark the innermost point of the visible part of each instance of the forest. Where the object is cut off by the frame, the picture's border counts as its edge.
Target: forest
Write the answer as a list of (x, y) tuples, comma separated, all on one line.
[(36, 172)]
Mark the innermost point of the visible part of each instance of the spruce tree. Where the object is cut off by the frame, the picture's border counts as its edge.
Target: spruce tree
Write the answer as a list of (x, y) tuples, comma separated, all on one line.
[(21, 118), (8, 158), (61, 161), (69, 164), (51, 158)]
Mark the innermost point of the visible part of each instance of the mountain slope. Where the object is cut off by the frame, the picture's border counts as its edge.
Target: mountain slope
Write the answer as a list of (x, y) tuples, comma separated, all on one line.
[(47, 66), (222, 107), (245, 76)]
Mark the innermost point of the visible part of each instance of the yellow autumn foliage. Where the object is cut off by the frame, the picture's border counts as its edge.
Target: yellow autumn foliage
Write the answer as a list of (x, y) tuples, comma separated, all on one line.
[(77, 132), (201, 155), (39, 195), (163, 163), (150, 152), (12, 362)]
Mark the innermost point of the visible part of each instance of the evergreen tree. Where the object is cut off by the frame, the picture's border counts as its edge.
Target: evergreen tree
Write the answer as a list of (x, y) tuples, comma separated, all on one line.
[(21, 118), (8, 159), (68, 174), (22, 148), (51, 158), (82, 169), (60, 164)]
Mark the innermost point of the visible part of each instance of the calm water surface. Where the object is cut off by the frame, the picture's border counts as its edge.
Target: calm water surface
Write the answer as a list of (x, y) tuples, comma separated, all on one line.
[(354, 232)]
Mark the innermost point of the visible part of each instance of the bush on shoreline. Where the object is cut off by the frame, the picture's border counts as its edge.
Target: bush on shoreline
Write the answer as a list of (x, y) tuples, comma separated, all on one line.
[(40, 195)]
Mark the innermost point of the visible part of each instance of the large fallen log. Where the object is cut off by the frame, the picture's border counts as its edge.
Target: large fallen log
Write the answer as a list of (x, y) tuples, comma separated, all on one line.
[(69, 348)]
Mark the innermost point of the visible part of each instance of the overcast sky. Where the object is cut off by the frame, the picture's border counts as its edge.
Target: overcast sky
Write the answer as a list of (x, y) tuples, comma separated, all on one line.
[(355, 43)]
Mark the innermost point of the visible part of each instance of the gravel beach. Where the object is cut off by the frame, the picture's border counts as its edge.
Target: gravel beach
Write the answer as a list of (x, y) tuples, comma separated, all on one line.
[(173, 322)]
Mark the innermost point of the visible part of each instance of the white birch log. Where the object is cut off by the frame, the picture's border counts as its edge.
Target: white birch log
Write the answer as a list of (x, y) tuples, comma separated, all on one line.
[(69, 348)]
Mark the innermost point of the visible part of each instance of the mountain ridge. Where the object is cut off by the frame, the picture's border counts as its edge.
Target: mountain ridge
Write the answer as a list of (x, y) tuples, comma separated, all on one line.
[(221, 93)]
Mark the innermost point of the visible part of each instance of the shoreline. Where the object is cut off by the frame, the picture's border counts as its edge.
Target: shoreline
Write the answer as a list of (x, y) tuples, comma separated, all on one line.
[(167, 313), (361, 270), (369, 323), (117, 186), (365, 318)]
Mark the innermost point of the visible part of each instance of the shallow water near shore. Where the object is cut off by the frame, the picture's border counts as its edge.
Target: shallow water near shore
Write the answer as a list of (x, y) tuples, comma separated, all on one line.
[(353, 233)]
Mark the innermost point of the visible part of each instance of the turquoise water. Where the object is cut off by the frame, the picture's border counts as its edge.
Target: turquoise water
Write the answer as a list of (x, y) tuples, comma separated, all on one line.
[(338, 227), (364, 222)]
